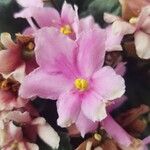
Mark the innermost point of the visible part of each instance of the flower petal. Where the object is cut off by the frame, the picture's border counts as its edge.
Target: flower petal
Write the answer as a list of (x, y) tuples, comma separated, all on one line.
[(39, 83), (48, 135), (85, 125), (142, 49), (55, 54), (68, 18), (109, 18), (114, 130), (31, 3), (113, 42), (18, 74), (32, 146), (122, 27), (68, 107), (93, 107), (45, 17), (91, 51), (108, 84)]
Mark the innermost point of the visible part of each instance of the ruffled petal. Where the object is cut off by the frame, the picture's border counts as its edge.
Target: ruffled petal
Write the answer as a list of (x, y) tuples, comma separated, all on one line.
[(39, 83), (85, 125), (55, 54), (93, 107), (91, 51), (68, 107), (113, 42), (108, 84), (142, 49), (114, 130), (31, 3)]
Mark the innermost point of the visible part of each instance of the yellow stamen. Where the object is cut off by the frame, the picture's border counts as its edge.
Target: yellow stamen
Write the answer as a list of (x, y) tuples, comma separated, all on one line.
[(14, 145), (30, 46), (5, 85), (133, 20), (97, 137), (81, 84), (66, 30)]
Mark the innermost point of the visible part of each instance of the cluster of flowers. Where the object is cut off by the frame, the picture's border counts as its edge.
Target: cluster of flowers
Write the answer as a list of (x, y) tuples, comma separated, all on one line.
[(61, 57)]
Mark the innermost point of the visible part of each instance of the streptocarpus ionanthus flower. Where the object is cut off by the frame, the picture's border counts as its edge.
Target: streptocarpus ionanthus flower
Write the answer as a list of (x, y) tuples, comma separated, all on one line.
[(139, 26), (67, 23), (13, 55), (84, 85), (19, 130)]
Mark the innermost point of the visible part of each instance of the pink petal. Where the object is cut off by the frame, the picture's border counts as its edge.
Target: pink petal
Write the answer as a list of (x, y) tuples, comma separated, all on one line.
[(9, 57), (68, 107), (31, 3), (39, 83), (108, 84), (116, 103), (45, 17), (19, 117), (93, 107), (146, 140), (109, 18), (91, 51), (88, 23), (120, 27), (115, 131), (121, 68), (85, 125), (142, 49), (113, 42), (48, 135), (9, 101), (68, 18), (55, 54), (143, 17)]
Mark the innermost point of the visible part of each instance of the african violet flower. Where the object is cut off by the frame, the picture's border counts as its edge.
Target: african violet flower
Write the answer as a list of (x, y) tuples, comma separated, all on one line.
[(19, 130), (9, 85), (67, 23), (139, 26), (16, 54), (72, 72), (132, 8)]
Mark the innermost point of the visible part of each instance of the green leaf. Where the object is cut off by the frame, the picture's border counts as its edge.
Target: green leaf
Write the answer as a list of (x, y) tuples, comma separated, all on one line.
[(98, 7), (64, 142), (7, 22)]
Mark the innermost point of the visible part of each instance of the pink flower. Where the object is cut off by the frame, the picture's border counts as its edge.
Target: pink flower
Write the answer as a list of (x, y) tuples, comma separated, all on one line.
[(9, 85), (19, 130), (16, 55), (65, 22), (72, 72), (139, 26)]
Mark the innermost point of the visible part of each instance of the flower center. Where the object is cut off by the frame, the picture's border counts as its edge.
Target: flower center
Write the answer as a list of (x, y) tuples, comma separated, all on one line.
[(30, 46), (133, 20), (66, 29), (81, 84), (9, 84)]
